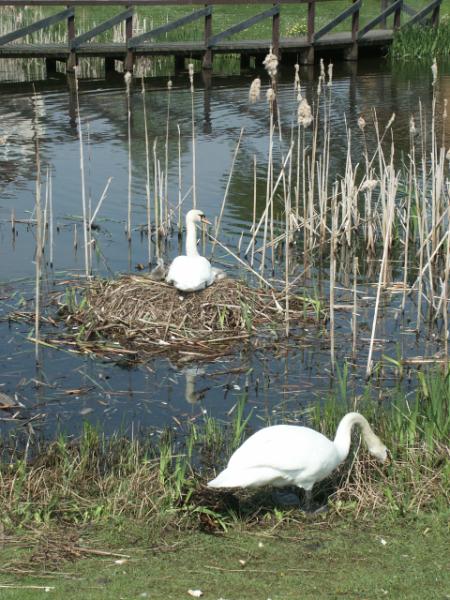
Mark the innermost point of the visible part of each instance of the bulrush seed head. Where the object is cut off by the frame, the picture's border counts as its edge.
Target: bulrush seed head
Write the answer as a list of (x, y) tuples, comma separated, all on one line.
[(304, 114), (270, 95), (169, 84), (330, 74), (412, 126), (254, 93), (191, 73), (322, 68), (434, 71), (297, 78), (361, 122), (271, 64), (127, 78)]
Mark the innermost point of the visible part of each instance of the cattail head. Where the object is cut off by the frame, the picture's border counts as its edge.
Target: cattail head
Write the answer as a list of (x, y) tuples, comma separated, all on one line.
[(297, 77), (169, 84), (361, 122), (412, 126), (322, 68), (330, 74), (191, 73), (127, 78), (254, 93), (434, 71), (270, 95), (304, 113), (271, 64)]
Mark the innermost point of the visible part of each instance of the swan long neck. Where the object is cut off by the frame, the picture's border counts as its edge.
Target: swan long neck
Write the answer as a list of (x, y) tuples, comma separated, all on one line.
[(343, 434), (191, 238)]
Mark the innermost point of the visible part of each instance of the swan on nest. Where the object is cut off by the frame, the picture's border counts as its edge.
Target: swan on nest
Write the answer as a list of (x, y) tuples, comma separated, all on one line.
[(192, 272)]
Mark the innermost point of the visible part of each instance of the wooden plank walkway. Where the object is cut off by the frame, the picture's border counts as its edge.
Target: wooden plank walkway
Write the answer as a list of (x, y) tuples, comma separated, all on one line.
[(149, 43), (380, 37)]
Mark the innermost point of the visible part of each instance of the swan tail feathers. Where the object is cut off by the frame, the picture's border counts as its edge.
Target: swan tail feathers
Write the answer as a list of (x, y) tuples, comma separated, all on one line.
[(229, 478)]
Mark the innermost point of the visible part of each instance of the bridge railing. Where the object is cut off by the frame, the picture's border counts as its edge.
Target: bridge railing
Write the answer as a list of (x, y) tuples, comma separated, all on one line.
[(135, 45)]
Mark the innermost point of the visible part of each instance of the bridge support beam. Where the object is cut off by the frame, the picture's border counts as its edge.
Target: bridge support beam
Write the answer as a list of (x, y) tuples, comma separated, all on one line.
[(72, 59)]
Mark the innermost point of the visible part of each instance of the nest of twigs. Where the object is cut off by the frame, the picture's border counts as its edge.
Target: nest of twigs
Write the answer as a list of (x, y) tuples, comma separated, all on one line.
[(146, 317)]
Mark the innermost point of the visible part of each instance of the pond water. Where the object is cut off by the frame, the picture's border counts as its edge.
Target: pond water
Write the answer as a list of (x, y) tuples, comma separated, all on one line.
[(67, 389)]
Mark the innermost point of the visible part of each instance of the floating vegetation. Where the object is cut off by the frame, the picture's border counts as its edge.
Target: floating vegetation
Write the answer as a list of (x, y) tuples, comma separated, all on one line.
[(147, 317)]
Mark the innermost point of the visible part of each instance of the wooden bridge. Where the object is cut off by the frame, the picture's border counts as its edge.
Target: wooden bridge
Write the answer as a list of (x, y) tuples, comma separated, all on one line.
[(81, 44)]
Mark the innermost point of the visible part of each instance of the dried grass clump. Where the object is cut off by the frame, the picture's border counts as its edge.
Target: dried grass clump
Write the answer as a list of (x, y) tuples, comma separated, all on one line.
[(150, 317)]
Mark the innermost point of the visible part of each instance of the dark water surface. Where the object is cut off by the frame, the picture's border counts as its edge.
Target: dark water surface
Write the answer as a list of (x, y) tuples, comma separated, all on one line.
[(66, 388)]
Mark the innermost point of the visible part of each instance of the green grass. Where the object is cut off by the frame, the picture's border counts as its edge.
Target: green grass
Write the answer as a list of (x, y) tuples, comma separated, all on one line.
[(370, 560), (420, 42)]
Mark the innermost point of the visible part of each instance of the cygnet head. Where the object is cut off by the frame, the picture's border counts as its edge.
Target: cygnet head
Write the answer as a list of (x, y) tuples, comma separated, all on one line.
[(378, 449), (196, 216)]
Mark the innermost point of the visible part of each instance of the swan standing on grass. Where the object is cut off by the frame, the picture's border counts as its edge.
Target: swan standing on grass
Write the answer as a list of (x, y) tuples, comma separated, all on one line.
[(284, 455), (192, 272)]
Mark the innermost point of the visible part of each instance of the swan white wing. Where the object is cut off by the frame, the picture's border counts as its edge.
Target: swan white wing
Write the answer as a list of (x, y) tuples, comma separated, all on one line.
[(292, 454), (190, 273)]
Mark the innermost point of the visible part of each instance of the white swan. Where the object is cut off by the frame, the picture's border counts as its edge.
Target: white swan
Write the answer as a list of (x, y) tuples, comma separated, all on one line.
[(290, 455), (192, 272)]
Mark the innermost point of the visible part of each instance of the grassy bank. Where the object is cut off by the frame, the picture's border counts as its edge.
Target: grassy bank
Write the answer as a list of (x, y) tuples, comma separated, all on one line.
[(119, 518), (420, 42), (133, 518), (314, 560)]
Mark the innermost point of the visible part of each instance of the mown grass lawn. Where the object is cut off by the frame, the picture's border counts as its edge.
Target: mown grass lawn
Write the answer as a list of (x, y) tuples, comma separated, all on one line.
[(327, 557)]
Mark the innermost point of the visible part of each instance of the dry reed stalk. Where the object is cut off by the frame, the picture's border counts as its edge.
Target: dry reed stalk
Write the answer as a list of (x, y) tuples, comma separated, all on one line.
[(179, 179), (87, 266), (51, 230), (166, 163), (147, 176), (264, 215), (355, 306), (225, 195), (156, 199), (194, 170), (252, 257), (269, 186), (386, 245), (39, 232), (333, 248), (128, 78)]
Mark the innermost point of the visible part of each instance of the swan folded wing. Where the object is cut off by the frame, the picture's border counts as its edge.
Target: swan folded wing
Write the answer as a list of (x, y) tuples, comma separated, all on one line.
[(190, 273), (284, 447)]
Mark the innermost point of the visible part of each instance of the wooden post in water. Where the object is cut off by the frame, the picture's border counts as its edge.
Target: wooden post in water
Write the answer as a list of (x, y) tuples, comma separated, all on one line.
[(207, 58), (276, 33), (352, 52), (129, 57), (72, 60), (307, 56)]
